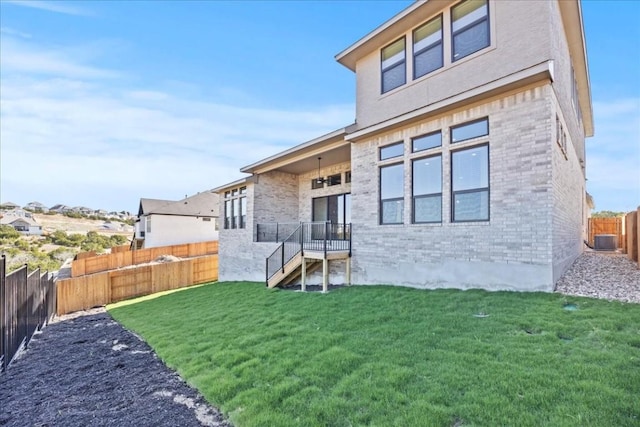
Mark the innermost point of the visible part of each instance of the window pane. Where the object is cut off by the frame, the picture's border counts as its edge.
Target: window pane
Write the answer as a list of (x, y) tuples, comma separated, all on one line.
[(243, 211), (427, 141), (394, 77), (471, 206), (427, 209), (391, 182), (470, 130), (427, 176), (320, 209), (334, 180), (392, 212), (428, 34), (427, 61), (470, 27), (468, 12), (471, 40), (236, 213), (427, 48), (391, 151), (470, 168), (393, 54)]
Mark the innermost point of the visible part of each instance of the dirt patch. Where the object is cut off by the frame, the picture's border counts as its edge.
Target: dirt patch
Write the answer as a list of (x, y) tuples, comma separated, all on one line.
[(86, 369)]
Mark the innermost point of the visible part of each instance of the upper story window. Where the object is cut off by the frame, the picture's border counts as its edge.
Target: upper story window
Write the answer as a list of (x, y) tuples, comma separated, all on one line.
[(469, 28), (391, 151), (393, 65), (470, 130), (427, 47), (334, 180)]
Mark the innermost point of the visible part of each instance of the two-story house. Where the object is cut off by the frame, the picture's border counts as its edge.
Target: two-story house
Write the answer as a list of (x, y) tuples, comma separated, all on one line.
[(166, 222), (465, 167)]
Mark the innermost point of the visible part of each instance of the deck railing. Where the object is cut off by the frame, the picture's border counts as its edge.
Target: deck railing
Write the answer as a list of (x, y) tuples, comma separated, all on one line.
[(309, 236), (275, 231)]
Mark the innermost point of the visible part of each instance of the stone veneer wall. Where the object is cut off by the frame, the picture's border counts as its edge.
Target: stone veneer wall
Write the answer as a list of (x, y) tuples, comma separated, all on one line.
[(511, 251)]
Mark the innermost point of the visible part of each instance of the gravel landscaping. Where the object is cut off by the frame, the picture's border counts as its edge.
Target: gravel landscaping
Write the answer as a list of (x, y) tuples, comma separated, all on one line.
[(604, 275), (85, 369)]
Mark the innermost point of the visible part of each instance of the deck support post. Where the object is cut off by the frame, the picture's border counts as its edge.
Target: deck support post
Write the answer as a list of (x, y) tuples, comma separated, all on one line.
[(303, 283), (325, 275), (348, 272)]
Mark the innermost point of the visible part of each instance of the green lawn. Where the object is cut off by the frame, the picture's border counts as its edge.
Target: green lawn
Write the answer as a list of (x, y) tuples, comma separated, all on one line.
[(391, 356)]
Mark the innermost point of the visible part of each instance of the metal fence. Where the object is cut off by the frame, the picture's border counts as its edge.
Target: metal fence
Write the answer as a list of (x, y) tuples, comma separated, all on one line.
[(275, 231), (27, 303)]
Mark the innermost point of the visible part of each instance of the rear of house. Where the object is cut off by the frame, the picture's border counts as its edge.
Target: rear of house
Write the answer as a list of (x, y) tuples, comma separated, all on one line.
[(465, 167)]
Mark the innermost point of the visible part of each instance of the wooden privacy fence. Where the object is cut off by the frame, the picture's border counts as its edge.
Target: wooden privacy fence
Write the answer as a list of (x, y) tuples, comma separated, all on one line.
[(95, 264), (606, 226), (632, 235), (81, 293)]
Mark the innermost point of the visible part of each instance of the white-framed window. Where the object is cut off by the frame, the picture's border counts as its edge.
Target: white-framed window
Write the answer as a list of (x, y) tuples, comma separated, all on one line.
[(393, 65), (469, 28)]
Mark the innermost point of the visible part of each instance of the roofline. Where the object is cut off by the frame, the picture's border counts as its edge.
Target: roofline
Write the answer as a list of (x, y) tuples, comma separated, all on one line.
[(346, 56), (294, 150), (229, 185)]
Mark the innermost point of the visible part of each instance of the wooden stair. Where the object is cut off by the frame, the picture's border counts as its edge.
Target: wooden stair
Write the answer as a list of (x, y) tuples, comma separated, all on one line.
[(283, 273)]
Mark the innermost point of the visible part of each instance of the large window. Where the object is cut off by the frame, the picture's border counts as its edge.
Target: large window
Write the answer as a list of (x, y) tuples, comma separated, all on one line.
[(427, 47), (470, 184), (469, 28), (235, 208), (427, 189), (393, 66), (392, 194)]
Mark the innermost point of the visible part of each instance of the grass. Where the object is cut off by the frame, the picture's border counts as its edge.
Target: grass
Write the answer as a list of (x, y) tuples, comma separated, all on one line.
[(389, 356)]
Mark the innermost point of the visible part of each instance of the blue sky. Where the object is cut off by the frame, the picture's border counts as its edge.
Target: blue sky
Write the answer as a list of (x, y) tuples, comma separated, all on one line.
[(102, 103)]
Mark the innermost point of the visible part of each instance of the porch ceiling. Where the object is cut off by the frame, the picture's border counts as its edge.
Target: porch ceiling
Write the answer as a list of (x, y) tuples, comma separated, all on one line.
[(310, 163), (332, 147)]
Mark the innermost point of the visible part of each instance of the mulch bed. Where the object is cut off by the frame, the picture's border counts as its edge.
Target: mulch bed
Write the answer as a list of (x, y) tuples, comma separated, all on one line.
[(89, 370)]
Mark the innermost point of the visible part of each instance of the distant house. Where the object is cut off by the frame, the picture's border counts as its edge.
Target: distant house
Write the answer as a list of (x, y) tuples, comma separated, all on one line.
[(165, 222), (36, 207), (7, 206), (100, 212), (25, 225), (19, 212), (82, 210), (61, 209)]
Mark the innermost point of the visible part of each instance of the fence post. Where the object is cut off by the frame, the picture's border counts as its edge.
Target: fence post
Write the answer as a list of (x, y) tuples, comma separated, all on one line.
[(301, 238), (4, 345)]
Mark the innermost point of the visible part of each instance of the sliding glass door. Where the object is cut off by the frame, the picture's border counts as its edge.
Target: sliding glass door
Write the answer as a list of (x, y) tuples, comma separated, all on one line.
[(335, 209)]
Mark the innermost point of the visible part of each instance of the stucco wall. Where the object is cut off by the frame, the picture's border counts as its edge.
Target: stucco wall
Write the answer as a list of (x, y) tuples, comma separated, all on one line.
[(175, 230), (520, 38), (511, 251)]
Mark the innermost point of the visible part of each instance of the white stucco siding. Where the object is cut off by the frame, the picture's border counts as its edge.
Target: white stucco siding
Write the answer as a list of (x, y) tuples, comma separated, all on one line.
[(168, 230)]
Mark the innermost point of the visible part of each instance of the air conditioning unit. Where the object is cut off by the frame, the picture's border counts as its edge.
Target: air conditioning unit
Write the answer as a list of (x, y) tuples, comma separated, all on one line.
[(605, 242)]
